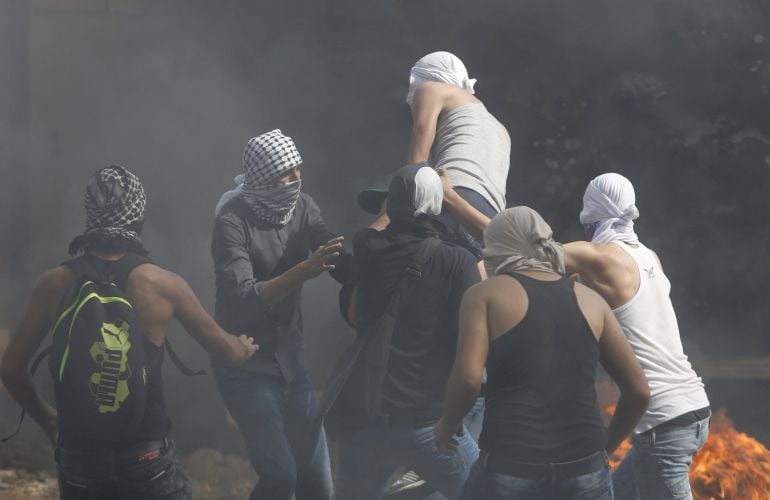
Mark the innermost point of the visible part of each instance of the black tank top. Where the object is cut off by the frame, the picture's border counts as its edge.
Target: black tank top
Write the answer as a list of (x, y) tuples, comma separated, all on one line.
[(541, 402)]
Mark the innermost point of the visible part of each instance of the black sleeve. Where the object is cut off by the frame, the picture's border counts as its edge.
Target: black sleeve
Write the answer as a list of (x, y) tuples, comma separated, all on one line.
[(232, 264), (344, 267)]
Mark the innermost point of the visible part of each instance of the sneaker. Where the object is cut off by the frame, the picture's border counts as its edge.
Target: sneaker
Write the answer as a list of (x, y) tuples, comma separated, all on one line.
[(409, 481)]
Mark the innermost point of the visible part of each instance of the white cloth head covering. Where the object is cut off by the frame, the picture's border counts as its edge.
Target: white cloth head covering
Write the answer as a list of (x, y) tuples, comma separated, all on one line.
[(609, 203), (518, 239), (439, 67), (414, 190), (428, 192)]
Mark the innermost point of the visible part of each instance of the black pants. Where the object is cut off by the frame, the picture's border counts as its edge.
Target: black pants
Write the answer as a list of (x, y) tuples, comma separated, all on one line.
[(152, 473)]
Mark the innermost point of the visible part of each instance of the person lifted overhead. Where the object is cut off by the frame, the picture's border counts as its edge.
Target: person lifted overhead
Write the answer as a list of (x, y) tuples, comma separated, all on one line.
[(110, 308), (269, 238), (541, 337), (631, 279), (452, 130)]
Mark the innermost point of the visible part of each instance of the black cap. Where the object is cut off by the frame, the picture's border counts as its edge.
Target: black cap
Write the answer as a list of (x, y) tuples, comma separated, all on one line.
[(371, 200)]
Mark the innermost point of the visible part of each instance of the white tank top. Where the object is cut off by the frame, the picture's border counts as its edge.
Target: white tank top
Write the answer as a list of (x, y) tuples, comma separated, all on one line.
[(650, 325)]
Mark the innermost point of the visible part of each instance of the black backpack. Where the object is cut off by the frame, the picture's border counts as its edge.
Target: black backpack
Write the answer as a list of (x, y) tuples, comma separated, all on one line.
[(352, 397), (97, 354), (96, 357)]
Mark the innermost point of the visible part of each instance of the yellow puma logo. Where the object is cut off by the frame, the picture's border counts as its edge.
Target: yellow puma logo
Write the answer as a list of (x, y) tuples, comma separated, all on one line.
[(109, 385)]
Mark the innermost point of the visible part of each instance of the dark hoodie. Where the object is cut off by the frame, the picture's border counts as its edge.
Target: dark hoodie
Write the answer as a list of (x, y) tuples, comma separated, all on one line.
[(423, 346)]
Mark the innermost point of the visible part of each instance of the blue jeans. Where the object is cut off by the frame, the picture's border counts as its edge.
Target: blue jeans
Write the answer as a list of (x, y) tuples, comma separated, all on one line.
[(475, 418), (369, 456), (276, 420), (488, 485), (658, 465)]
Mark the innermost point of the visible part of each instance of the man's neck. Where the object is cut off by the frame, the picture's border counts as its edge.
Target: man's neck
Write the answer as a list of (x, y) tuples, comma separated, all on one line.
[(108, 255)]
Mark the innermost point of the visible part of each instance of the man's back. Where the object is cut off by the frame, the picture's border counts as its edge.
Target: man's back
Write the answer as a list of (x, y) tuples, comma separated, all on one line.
[(423, 344)]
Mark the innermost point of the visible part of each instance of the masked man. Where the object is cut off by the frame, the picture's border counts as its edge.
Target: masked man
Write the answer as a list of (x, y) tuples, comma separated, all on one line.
[(453, 130), (631, 279), (269, 238), (101, 453)]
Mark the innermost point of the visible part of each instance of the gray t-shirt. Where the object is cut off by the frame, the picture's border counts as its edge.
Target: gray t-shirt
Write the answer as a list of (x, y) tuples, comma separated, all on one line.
[(475, 149)]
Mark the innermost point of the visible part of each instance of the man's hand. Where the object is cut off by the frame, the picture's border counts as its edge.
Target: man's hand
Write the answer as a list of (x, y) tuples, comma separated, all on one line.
[(321, 258), (444, 434), (51, 429), (248, 343), (446, 182)]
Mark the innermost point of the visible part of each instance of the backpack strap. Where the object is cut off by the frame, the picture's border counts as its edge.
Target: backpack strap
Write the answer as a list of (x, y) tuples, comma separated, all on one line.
[(178, 362)]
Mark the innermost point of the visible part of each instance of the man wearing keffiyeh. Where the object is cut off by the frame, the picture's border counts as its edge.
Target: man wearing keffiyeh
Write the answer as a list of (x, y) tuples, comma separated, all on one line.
[(114, 202), (269, 238), (138, 463)]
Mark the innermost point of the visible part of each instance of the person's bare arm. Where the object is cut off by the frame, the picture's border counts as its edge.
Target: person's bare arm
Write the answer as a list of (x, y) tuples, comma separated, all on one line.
[(426, 107), (37, 320), (621, 364), (582, 257), (464, 382), (276, 289), (466, 214), (202, 327)]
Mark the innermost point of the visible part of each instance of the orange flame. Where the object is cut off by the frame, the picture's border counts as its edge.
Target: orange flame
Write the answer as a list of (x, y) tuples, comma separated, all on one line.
[(730, 466)]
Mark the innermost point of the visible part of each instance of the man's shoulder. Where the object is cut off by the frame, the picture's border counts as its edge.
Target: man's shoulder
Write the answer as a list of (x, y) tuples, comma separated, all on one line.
[(151, 275)]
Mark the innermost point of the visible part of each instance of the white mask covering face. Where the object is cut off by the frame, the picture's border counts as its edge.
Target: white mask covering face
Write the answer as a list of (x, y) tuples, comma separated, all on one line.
[(439, 67), (609, 209)]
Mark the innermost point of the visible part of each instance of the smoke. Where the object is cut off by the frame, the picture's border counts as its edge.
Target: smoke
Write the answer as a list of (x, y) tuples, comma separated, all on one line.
[(670, 95)]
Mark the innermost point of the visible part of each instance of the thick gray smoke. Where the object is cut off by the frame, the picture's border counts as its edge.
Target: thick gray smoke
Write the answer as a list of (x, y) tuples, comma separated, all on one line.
[(674, 96)]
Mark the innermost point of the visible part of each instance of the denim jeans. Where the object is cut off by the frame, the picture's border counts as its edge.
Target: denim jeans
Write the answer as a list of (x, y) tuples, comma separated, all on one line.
[(474, 418), (160, 478), (658, 465), (369, 456), (287, 452), (488, 485)]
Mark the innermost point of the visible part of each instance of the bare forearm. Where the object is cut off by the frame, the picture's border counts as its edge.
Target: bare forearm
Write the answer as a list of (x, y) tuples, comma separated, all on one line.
[(471, 219), (461, 394), (627, 414), (274, 290), (22, 389)]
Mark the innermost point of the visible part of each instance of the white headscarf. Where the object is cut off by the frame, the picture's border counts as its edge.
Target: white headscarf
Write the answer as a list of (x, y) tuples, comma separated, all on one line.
[(609, 203), (518, 239), (428, 192), (439, 67)]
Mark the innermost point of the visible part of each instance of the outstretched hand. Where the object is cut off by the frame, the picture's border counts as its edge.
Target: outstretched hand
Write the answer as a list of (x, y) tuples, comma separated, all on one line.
[(322, 258)]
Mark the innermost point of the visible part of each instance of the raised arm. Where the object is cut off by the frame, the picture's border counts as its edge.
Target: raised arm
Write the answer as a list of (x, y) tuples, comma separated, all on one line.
[(201, 326), (464, 382), (426, 108), (621, 364), (233, 264), (582, 257), (37, 320)]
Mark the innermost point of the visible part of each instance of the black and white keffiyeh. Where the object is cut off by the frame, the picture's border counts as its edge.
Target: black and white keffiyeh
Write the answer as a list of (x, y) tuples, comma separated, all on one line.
[(267, 157), (114, 201)]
